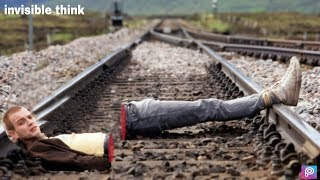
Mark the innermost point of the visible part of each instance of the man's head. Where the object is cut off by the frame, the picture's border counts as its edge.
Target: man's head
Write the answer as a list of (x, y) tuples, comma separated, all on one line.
[(20, 124)]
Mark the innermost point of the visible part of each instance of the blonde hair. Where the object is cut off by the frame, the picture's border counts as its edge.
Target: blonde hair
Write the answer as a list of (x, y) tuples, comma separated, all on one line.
[(6, 121)]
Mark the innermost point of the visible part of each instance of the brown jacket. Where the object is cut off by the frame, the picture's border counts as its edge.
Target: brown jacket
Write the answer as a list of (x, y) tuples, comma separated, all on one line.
[(57, 156)]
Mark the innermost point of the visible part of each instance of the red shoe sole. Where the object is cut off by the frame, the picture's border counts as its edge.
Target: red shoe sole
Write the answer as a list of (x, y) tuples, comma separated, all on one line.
[(123, 122), (110, 148)]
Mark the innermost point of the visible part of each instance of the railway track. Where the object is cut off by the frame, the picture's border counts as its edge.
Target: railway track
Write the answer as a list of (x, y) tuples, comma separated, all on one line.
[(251, 147), (274, 49), (262, 48), (295, 44)]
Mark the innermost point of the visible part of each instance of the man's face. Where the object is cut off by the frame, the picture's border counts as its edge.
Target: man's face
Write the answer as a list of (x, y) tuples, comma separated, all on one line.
[(25, 126)]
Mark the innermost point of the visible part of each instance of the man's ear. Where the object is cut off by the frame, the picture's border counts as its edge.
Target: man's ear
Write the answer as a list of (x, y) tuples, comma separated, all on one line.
[(13, 134)]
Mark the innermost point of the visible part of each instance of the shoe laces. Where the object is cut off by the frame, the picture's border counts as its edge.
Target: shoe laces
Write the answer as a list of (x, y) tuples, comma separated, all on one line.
[(266, 98)]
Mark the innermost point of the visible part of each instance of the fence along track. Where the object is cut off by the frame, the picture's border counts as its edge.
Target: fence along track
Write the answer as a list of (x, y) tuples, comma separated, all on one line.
[(203, 150)]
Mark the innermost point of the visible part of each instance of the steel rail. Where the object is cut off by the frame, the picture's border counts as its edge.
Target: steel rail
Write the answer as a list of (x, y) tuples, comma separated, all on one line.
[(305, 138), (171, 39), (297, 44), (220, 42), (306, 56)]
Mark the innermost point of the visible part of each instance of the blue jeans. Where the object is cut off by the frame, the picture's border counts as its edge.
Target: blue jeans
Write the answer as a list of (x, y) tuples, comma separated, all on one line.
[(151, 117)]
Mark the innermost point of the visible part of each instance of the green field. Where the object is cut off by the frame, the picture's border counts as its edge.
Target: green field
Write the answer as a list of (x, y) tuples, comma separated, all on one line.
[(48, 30), (51, 30)]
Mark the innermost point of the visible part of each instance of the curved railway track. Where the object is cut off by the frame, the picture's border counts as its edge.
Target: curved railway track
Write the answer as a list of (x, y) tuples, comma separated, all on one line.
[(282, 50), (295, 44), (252, 147), (264, 48)]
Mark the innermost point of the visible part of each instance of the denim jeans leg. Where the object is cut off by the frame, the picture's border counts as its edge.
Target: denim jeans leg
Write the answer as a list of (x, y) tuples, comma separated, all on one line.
[(151, 117)]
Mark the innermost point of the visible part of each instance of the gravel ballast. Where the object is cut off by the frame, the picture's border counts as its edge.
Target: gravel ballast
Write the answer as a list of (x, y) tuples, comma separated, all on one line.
[(159, 57)]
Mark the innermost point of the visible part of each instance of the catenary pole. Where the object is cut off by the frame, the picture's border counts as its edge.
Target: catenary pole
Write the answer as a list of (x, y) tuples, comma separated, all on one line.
[(30, 25)]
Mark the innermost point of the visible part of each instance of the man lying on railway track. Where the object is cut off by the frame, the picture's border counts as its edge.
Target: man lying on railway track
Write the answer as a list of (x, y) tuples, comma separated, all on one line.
[(74, 152), (150, 117), (147, 117)]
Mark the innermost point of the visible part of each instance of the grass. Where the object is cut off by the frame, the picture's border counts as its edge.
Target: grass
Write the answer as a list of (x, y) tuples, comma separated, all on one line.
[(219, 26), (66, 28), (60, 29), (278, 25), (210, 23), (61, 38), (6, 17), (134, 23), (272, 25)]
